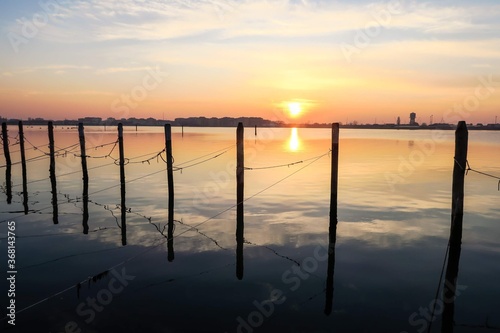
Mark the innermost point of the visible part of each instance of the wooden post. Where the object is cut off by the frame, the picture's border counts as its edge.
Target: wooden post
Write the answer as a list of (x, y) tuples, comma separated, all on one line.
[(332, 232), (255, 130), (334, 175), (52, 171), (8, 162), (182, 130), (5, 139), (457, 212), (23, 164), (122, 185), (240, 183), (83, 153), (170, 179)]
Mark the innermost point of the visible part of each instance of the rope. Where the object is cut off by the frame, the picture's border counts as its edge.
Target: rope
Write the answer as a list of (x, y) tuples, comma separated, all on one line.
[(78, 171), (198, 158), (176, 168), (40, 157), (282, 165), (101, 146), (150, 159), (482, 173)]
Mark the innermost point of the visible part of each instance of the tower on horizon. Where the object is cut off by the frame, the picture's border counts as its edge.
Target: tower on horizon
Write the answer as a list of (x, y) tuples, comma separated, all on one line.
[(413, 116)]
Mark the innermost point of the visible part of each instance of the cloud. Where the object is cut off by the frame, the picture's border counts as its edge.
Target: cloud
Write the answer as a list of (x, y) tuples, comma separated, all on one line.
[(87, 21), (121, 70), (57, 69)]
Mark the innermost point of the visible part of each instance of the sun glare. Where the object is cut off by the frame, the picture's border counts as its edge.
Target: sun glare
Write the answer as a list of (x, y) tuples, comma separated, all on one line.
[(294, 142), (294, 108)]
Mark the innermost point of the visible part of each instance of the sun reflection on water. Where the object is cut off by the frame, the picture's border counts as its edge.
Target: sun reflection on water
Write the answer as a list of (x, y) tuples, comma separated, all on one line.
[(294, 141)]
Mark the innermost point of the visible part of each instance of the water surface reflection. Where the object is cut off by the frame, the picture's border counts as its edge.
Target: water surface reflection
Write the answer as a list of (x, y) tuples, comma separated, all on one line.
[(389, 244)]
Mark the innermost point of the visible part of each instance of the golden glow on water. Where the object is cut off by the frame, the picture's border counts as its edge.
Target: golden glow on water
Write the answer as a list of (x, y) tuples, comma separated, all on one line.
[(382, 184), (294, 141)]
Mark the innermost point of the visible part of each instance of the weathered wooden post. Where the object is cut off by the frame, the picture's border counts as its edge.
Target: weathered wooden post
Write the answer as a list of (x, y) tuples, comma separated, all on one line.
[(8, 163), (5, 140), (83, 154), (457, 213), (255, 130), (52, 172), (334, 175), (240, 183), (170, 179), (23, 165), (332, 232), (122, 185)]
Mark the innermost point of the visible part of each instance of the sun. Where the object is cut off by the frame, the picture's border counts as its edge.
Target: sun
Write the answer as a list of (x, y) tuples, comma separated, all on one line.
[(294, 108)]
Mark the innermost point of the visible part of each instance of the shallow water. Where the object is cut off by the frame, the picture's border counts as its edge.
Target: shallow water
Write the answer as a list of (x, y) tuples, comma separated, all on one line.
[(394, 202)]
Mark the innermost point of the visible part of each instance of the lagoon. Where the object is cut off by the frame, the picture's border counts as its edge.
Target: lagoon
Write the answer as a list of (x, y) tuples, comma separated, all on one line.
[(394, 207)]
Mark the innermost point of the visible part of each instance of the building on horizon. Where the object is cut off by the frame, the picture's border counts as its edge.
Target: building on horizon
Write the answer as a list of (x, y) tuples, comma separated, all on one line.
[(413, 117)]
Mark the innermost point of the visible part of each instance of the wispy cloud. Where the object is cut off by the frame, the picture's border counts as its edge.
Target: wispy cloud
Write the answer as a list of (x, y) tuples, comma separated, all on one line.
[(157, 20), (56, 69), (111, 70)]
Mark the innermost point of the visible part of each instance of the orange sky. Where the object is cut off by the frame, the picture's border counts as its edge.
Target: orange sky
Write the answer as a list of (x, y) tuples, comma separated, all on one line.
[(366, 62)]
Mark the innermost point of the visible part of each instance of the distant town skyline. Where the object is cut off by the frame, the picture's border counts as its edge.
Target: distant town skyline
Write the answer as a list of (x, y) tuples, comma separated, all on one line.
[(297, 61), (233, 122)]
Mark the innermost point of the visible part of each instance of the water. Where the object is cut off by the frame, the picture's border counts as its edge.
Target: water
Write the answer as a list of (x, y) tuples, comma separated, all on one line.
[(394, 221)]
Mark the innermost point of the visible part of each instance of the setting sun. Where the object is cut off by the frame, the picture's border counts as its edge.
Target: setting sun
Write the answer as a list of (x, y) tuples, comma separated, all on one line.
[(294, 108)]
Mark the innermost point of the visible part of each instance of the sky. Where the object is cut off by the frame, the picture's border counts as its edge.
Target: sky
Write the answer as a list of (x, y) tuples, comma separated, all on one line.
[(294, 60)]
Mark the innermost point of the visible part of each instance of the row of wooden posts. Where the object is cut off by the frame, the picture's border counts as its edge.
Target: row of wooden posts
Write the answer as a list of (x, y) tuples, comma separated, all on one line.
[(461, 143)]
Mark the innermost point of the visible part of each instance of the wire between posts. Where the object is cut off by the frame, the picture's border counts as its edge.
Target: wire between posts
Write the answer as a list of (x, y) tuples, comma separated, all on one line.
[(177, 168), (288, 164), (481, 173)]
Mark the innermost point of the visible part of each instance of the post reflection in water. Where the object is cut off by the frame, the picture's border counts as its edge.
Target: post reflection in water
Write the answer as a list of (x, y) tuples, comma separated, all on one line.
[(8, 183), (85, 221), (332, 239), (123, 215), (23, 165), (170, 234), (55, 209)]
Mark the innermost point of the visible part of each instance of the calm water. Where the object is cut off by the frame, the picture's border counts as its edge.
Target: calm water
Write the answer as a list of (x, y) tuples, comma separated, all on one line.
[(394, 219)]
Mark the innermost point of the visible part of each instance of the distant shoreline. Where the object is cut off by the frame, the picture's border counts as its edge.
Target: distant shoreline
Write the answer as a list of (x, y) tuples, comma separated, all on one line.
[(233, 122)]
